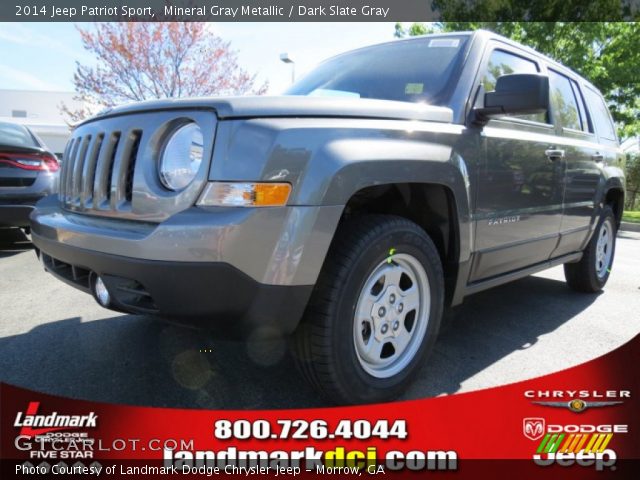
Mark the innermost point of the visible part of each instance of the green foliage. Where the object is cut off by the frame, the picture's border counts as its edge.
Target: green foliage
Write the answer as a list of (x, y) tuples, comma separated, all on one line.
[(633, 182), (631, 217), (538, 10), (416, 29), (605, 53)]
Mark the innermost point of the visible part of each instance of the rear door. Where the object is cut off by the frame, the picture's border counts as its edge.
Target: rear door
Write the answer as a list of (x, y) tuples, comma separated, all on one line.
[(520, 187), (582, 156)]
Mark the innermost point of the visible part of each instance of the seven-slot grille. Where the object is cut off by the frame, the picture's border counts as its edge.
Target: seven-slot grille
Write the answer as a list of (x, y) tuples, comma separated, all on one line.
[(110, 165), (98, 169)]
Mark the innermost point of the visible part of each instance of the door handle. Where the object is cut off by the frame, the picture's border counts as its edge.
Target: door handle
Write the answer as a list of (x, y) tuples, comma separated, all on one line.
[(554, 154)]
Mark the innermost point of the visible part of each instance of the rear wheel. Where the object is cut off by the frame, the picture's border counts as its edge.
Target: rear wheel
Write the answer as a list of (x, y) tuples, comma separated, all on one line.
[(375, 312), (591, 273)]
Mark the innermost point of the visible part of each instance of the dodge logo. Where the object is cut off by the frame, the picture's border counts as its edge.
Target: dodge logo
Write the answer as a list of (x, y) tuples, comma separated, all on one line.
[(533, 428)]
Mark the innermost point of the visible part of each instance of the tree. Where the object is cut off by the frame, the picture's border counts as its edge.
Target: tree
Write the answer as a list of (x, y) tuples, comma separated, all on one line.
[(140, 61), (416, 29), (539, 10), (605, 53), (633, 180)]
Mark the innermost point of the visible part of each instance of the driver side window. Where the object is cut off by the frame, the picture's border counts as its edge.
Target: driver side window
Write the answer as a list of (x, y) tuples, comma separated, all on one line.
[(504, 63)]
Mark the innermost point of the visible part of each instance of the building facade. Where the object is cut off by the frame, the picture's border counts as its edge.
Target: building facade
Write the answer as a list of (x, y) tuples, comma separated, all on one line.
[(40, 111)]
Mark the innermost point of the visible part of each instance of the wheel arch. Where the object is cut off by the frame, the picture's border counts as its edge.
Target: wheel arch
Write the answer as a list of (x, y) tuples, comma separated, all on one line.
[(432, 206), (614, 197), (430, 166)]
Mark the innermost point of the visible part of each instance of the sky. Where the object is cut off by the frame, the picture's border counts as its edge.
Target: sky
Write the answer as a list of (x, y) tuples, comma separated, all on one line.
[(43, 56)]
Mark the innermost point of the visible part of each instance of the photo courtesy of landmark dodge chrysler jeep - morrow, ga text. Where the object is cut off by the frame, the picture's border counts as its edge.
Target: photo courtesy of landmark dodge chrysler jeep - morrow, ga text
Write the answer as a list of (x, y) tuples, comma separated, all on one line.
[(388, 184)]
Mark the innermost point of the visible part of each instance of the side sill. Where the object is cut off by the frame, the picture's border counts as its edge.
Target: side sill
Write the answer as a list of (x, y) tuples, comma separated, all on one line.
[(525, 272)]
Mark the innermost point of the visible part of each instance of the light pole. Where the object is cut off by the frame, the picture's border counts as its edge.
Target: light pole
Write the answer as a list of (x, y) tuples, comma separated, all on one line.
[(284, 57)]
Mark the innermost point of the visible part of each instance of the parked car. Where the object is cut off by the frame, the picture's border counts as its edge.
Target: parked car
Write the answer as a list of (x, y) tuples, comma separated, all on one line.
[(28, 172), (393, 181)]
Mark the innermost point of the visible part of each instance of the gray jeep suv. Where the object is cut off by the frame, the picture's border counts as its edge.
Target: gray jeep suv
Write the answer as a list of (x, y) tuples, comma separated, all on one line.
[(390, 182)]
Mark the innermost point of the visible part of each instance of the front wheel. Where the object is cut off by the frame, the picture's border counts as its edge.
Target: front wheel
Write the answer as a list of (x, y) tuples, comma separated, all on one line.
[(375, 312), (591, 273)]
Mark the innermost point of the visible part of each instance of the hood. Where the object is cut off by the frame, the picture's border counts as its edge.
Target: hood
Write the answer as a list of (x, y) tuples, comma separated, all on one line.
[(291, 106)]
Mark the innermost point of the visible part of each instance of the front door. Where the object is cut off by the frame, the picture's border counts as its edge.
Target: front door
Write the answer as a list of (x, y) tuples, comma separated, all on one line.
[(520, 185)]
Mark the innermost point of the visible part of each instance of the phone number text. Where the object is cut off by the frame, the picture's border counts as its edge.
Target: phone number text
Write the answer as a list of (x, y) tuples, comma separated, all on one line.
[(308, 429)]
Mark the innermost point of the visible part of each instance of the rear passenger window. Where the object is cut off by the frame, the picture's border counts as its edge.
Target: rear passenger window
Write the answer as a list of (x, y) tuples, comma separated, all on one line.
[(600, 114), (581, 107), (503, 63), (563, 101)]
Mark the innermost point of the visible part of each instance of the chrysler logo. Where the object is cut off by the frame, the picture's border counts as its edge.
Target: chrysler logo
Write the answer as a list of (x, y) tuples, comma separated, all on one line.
[(577, 405), (533, 428)]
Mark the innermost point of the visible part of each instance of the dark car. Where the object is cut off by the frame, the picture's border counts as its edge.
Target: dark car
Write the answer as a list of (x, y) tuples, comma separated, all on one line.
[(28, 172)]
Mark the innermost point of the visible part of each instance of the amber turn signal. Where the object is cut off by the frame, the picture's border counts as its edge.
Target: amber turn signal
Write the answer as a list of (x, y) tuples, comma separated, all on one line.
[(241, 194)]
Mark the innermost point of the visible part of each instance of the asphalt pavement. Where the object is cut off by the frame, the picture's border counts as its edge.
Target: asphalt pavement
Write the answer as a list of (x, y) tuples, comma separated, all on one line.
[(57, 340)]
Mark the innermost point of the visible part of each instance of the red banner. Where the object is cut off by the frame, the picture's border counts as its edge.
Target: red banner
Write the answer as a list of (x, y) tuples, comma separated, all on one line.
[(580, 422)]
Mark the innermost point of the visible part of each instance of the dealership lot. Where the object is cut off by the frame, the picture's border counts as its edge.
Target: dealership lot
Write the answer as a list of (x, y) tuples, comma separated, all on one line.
[(57, 340)]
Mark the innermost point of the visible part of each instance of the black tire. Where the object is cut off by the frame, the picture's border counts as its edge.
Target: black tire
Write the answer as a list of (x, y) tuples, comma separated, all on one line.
[(324, 343), (583, 276)]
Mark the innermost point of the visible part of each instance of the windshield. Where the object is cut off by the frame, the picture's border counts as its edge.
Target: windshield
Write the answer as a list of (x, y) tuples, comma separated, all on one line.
[(16, 136), (417, 70)]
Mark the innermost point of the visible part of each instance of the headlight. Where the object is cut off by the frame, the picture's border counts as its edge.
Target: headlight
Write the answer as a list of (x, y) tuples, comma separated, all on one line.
[(182, 157)]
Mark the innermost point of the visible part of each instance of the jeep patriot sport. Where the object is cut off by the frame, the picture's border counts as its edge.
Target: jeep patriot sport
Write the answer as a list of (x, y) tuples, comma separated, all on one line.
[(389, 183)]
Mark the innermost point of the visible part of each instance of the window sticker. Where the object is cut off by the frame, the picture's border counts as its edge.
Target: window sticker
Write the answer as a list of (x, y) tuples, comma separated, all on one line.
[(444, 42), (414, 88)]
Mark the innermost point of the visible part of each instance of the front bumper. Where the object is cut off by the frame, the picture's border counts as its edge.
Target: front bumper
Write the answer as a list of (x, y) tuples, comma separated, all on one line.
[(238, 269), (214, 295)]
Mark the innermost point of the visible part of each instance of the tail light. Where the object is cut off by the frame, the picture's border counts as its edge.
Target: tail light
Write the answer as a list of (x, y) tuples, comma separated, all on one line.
[(28, 161)]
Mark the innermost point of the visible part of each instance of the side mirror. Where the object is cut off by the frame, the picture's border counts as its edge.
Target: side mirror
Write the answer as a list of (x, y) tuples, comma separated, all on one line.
[(515, 94)]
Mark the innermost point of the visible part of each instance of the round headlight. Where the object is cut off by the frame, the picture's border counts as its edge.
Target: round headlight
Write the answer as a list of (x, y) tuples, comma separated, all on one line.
[(182, 157)]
